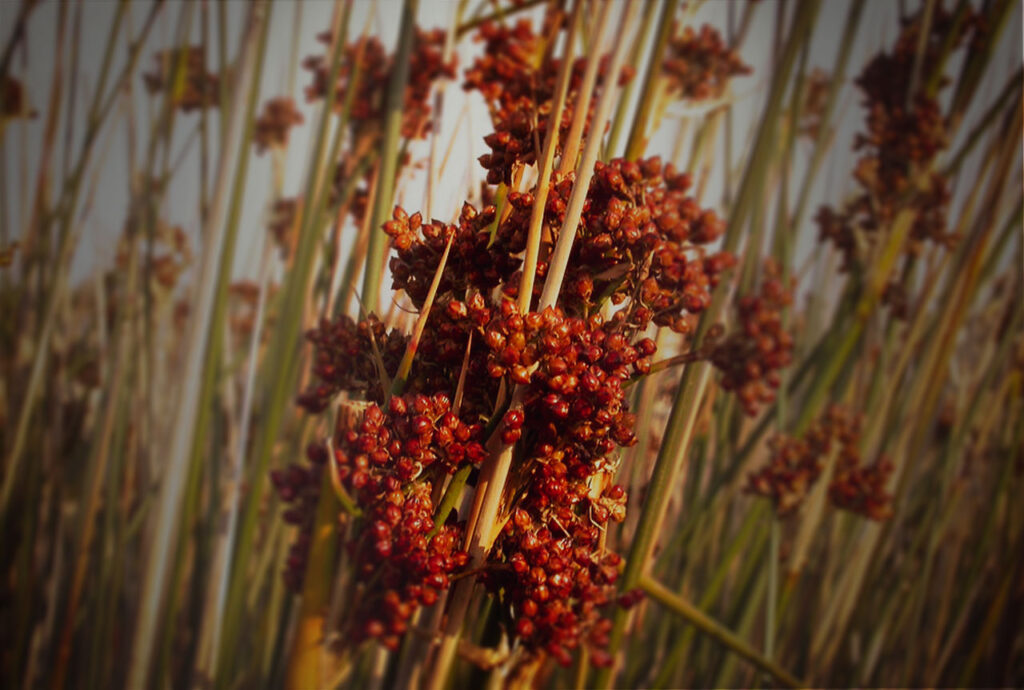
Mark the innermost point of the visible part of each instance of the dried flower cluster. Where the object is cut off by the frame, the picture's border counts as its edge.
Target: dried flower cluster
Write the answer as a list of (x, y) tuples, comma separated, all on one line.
[(200, 89), (519, 95), (549, 383), (344, 359), (402, 560), (639, 245), (366, 66), (813, 107), (700, 64), (796, 463), (750, 358), (279, 115), (281, 224), (905, 132)]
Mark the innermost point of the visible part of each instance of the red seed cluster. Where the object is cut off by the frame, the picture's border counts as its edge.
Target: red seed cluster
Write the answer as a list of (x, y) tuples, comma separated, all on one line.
[(368, 58), (417, 434), (279, 115), (519, 94), (283, 215), (861, 489), (405, 567), (474, 262), (575, 370), (796, 463), (201, 89), (554, 575), (750, 358), (572, 420), (403, 561), (700, 64), (548, 559), (344, 360), (550, 383), (905, 131), (641, 238)]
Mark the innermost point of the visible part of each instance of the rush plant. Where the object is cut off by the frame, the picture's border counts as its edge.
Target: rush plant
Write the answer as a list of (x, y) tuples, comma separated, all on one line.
[(587, 344)]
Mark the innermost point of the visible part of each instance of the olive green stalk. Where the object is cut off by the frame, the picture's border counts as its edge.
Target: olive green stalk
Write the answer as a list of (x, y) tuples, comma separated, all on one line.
[(389, 156)]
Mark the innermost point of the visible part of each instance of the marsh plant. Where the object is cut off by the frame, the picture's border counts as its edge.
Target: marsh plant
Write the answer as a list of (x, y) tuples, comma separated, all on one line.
[(646, 405)]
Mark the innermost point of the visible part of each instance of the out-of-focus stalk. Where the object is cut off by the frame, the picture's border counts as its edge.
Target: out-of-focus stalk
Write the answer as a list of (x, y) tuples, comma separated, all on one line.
[(283, 349), (716, 631)]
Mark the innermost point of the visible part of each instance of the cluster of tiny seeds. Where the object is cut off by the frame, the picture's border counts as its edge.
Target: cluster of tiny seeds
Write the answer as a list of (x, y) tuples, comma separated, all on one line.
[(547, 561), (861, 489), (905, 131), (796, 463), (281, 224), (474, 261), (575, 369), (404, 565), (556, 579), (344, 360), (279, 115), (366, 62), (700, 64), (750, 358), (641, 238), (416, 434), (298, 486), (403, 562), (519, 94), (201, 89)]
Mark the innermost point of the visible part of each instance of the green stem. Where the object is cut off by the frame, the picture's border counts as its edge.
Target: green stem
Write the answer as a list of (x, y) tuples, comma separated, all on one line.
[(393, 113), (638, 132), (716, 631)]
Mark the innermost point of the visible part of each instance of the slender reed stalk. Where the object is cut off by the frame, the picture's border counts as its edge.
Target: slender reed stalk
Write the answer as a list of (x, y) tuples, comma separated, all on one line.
[(388, 157)]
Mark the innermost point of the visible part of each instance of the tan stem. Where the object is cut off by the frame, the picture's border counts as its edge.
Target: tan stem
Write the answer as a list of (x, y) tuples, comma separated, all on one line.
[(585, 170), (579, 118), (540, 198)]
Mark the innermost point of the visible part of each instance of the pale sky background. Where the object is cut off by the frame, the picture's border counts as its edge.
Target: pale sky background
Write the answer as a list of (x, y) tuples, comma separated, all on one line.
[(465, 116)]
